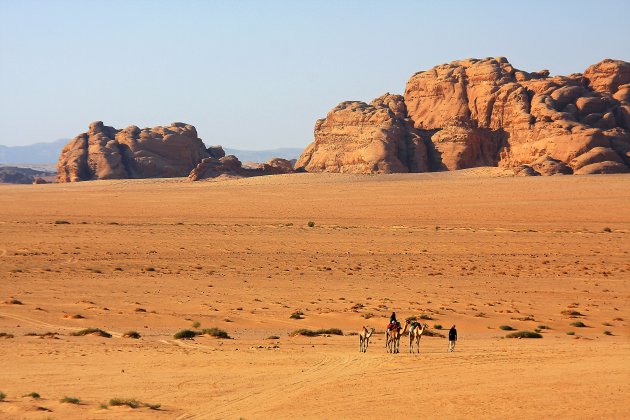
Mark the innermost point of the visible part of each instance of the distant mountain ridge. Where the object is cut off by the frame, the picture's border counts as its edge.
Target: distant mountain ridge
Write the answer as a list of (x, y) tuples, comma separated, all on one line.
[(48, 153)]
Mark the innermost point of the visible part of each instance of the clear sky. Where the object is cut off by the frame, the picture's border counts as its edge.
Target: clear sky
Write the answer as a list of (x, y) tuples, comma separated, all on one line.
[(257, 74)]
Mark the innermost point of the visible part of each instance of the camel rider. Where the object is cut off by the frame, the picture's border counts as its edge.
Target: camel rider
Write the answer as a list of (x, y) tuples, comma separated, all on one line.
[(393, 322)]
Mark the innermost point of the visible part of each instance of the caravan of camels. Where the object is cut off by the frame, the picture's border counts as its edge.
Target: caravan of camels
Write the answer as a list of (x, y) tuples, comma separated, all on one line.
[(393, 334)]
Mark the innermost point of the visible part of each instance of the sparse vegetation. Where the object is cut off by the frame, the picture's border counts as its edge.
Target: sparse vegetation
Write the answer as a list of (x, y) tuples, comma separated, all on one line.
[(70, 400), (437, 326), (149, 269), (91, 331), (506, 328), (132, 334), (196, 324), (311, 224), (6, 335), (215, 332), (607, 324), (607, 332), (570, 312), (273, 337), (543, 327), (367, 315), (578, 324), (34, 395), (118, 402), (524, 334), (607, 229), (570, 332), (427, 317), (297, 315), (62, 222), (314, 333), (185, 335), (2, 396), (13, 302)]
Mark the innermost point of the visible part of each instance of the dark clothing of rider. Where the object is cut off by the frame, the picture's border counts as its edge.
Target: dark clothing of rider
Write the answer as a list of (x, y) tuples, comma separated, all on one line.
[(392, 319), (452, 334)]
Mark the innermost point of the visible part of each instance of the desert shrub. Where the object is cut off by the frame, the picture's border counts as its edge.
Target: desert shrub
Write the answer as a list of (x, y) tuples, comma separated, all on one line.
[(33, 395), (131, 403), (215, 332), (437, 326), (311, 224), (570, 332), (524, 334), (606, 324), (570, 312), (607, 229), (132, 334), (578, 324), (543, 327), (62, 222), (70, 400), (367, 315), (95, 331), (506, 328), (273, 337), (13, 302), (297, 315), (103, 406), (152, 406), (6, 335), (427, 317), (2, 396), (314, 333), (149, 269), (607, 332), (196, 324), (185, 334)]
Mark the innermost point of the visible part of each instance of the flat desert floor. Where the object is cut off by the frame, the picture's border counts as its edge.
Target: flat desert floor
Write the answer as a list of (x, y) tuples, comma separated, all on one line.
[(469, 248)]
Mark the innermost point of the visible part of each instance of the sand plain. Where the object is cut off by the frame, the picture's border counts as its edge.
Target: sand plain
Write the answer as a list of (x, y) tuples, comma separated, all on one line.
[(472, 248)]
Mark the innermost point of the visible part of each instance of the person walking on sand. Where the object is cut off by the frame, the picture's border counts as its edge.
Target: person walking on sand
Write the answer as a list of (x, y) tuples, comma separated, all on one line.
[(452, 338)]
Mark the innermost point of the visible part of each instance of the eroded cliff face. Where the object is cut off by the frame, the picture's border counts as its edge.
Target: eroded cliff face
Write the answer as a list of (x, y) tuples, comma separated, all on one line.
[(107, 153), (483, 113)]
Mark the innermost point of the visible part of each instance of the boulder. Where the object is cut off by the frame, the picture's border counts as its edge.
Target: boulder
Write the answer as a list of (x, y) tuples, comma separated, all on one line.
[(607, 167), (608, 75), (546, 165)]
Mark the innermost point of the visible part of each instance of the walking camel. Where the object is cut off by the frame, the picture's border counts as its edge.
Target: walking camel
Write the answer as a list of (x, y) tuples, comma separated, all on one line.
[(393, 338), (415, 333), (364, 339)]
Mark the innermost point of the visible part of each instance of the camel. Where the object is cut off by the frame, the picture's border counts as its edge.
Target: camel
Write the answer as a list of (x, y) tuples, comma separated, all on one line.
[(364, 339), (415, 333), (393, 338)]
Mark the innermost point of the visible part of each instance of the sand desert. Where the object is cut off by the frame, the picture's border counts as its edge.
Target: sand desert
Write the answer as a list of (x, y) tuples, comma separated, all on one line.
[(475, 248)]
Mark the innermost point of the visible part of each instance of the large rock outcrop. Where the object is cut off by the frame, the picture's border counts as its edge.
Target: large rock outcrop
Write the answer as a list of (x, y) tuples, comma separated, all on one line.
[(161, 152), (483, 113), (107, 153)]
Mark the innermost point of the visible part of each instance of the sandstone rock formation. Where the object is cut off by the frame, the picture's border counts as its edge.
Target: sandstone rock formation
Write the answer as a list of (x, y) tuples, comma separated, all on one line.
[(483, 113), (230, 166), (161, 152)]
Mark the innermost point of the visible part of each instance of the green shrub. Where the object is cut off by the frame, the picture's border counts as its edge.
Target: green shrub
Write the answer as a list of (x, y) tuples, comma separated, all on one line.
[(185, 334), (427, 317), (2, 396), (196, 324), (607, 332), (570, 312), (152, 406), (437, 326), (606, 324), (95, 331), (33, 395), (506, 328), (578, 324), (570, 332), (131, 403), (215, 332), (70, 400), (314, 333), (543, 327), (607, 229), (311, 224), (524, 334), (13, 302), (273, 337), (297, 315), (132, 334)]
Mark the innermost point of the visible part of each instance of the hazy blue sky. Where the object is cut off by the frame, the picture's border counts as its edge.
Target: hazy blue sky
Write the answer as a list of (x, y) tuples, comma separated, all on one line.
[(257, 74)]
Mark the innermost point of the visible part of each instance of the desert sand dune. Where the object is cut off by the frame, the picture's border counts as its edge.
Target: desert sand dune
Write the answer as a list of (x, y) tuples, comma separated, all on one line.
[(473, 248)]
